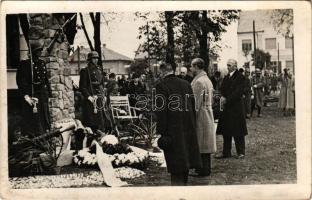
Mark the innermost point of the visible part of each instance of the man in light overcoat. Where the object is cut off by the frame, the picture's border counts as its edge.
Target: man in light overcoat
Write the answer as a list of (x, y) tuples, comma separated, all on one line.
[(203, 92)]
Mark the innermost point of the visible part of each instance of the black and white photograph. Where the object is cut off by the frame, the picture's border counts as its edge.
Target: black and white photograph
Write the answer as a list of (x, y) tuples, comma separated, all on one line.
[(158, 97)]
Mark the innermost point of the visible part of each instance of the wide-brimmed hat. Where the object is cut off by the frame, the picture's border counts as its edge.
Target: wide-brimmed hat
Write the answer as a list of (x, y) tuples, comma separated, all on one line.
[(93, 54)]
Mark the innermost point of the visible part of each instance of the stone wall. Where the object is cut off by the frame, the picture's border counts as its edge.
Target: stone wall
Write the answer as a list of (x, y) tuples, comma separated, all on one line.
[(42, 30)]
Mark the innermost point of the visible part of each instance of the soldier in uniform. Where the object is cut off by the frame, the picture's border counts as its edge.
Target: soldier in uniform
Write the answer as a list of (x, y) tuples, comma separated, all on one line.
[(33, 84), (91, 84)]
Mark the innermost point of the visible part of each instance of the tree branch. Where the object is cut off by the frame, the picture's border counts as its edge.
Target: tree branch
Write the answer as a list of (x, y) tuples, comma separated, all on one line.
[(86, 33), (92, 18)]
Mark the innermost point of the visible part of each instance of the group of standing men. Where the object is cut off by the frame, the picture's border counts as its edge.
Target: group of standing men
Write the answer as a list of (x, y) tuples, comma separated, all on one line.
[(186, 126), (187, 131)]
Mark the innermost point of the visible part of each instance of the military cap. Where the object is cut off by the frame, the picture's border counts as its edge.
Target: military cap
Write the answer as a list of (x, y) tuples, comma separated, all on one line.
[(93, 54)]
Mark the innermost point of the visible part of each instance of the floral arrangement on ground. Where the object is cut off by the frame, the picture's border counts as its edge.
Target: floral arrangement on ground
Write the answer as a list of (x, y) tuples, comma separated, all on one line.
[(120, 154)]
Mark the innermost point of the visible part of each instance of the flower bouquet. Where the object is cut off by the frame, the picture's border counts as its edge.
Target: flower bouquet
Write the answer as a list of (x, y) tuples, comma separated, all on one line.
[(85, 158), (120, 155)]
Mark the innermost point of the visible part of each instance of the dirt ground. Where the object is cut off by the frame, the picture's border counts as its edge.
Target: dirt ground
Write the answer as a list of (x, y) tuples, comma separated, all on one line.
[(270, 156)]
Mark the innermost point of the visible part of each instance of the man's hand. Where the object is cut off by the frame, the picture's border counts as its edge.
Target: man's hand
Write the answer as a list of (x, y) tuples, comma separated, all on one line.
[(223, 100), (91, 99), (31, 100), (28, 100)]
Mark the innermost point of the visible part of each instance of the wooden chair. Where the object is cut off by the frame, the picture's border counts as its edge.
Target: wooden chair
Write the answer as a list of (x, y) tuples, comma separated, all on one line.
[(121, 109)]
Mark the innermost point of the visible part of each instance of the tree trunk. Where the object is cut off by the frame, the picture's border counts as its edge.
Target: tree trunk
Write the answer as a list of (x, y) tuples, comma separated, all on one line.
[(170, 39), (186, 46), (96, 20), (85, 32), (203, 41)]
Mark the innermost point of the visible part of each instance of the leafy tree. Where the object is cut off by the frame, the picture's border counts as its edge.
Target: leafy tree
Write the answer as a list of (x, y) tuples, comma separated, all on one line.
[(169, 15), (138, 67), (196, 33), (282, 21), (263, 59)]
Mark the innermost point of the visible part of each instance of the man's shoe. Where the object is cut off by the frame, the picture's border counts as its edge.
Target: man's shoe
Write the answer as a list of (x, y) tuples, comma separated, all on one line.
[(195, 174), (240, 156), (221, 157)]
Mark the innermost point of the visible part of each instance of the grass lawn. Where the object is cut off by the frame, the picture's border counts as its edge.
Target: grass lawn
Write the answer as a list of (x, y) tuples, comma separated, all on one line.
[(270, 156)]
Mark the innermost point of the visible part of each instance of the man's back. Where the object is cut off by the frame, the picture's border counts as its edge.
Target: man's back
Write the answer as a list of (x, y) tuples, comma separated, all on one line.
[(176, 123)]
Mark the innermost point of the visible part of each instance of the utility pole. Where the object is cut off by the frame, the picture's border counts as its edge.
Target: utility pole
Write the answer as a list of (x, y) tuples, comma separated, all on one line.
[(293, 52), (78, 49), (148, 46), (278, 65), (254, 39)]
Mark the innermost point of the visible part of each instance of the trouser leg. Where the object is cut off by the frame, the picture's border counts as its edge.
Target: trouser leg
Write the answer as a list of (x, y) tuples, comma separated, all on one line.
[(240, 144), (247, 105), (259, 110), (252, 107), (206, 169), (227, 145), (179, 179)]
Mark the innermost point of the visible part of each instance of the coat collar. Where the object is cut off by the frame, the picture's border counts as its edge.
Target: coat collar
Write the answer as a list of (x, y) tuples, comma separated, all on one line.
[(169, 75), (234, 74), (202, 73)]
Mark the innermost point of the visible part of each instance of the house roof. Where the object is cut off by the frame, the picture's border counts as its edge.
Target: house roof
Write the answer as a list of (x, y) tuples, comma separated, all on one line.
[(261, 17), (107, 55)]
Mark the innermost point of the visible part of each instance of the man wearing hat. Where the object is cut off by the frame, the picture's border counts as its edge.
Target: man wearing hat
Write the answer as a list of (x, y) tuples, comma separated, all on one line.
[(33, 84), (232, 122), (258, 84), (91, 85)]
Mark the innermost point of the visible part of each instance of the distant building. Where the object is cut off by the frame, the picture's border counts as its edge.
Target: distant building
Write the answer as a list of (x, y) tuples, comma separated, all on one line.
[(267, 39), (113, 62)]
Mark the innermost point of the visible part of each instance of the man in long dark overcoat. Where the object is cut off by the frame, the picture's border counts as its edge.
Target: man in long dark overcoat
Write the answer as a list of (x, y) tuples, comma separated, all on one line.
[(34, 88), (232, 122), (175, 111), (91, 84)]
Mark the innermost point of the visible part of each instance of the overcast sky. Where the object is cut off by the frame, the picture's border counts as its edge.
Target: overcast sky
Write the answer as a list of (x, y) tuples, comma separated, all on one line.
[(121, 36)]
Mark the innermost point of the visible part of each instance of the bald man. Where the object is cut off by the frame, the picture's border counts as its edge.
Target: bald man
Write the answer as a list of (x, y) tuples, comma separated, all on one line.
[(232, 122), (185, 75)]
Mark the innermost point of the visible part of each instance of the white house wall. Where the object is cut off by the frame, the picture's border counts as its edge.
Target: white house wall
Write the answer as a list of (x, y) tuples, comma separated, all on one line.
[(266, 31)]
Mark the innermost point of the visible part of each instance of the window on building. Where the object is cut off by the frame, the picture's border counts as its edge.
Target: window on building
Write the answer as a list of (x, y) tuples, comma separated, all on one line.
[(106, 70), (288, 42), (246, 45), (270, 43), (275, 67)]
